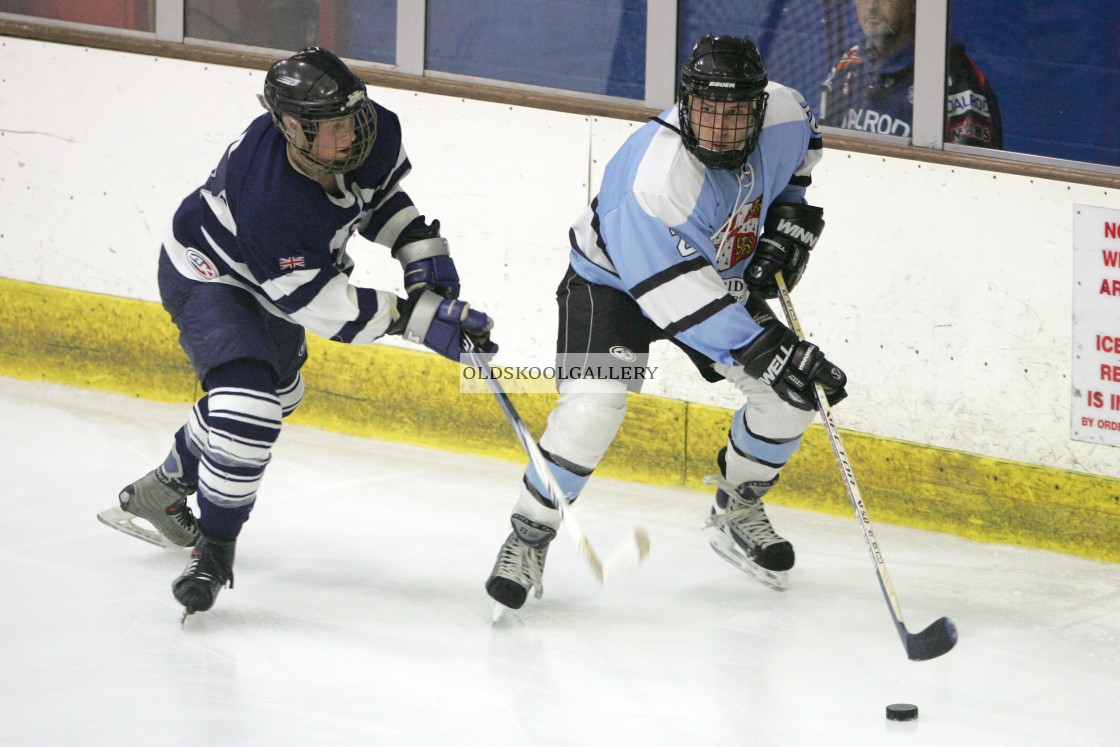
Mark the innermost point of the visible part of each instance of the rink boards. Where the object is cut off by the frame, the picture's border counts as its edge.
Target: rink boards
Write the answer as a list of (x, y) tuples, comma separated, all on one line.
[(129, 346)]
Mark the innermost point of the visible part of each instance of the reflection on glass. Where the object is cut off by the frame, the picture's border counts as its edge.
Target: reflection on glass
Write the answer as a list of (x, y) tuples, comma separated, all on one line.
[(1057, 69), (871, 87), (135, 15), (356, 29), (275, 24), (798, 39), (372, 28), (592, 46)]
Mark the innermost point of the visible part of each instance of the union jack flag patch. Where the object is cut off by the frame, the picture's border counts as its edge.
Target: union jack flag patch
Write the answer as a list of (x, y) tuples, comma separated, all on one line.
[(291, 263)]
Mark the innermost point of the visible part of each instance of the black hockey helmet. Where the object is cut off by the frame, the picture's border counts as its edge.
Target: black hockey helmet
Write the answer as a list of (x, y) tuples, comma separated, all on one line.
[(314, 86), (720, 72)]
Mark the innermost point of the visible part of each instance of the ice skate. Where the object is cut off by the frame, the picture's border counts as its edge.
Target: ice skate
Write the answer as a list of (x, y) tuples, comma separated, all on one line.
[(210, 569), (742, 535), (162, 503), (520, 563)]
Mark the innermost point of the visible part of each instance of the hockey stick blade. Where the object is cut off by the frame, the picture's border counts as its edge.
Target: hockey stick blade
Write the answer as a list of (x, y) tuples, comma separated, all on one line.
[(937, 639), (626, 556), (631, 550), (941, 635)]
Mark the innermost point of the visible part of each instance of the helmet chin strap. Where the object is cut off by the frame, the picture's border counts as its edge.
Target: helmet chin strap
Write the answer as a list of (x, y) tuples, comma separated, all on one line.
[(312, 170), (303, 164)]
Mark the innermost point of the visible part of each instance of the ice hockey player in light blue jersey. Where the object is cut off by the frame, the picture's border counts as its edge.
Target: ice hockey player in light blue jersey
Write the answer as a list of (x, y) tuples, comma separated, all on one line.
[(697, 212), (256, 256)]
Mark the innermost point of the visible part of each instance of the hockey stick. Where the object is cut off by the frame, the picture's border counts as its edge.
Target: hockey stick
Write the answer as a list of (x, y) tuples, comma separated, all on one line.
[(941, 635), (628, 554)]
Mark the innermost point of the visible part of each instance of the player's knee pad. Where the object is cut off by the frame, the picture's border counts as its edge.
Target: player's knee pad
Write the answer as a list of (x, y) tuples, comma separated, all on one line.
[(240, 420), (580, 429), (765, 432), (765, 414), (585, 421), (291, 394)]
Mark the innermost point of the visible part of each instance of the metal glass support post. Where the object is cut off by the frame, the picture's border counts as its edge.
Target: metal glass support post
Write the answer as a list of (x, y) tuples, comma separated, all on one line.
[(661, 53), (930, 44), (411, 36), (169, 20)]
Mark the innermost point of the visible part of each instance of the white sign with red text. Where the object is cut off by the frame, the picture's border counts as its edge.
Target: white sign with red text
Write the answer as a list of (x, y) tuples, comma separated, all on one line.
[(1096, 325)]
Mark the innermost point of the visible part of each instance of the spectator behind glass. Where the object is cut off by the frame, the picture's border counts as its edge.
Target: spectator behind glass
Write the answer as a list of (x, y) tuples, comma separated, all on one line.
[(871, 88)]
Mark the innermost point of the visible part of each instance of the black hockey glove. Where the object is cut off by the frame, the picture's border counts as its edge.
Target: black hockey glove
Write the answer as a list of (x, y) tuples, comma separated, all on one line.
[(426, 260), (791, 231), (791, 366), (440, 323)]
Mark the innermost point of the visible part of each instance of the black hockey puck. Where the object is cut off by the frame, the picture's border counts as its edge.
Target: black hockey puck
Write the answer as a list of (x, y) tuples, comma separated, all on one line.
[(902, 712)]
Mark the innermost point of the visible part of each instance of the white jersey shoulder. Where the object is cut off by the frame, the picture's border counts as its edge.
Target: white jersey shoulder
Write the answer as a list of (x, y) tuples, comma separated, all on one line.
[(785, 105), (668, 180)]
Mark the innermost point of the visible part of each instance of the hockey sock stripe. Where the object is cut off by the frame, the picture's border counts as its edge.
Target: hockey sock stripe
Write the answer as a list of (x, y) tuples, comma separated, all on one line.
[(576, 469), (765, 450), (229, 485), (246, 404), (291, 395), (234, 429), (198, 433), (750, 458), (243, 425), (569, 482)]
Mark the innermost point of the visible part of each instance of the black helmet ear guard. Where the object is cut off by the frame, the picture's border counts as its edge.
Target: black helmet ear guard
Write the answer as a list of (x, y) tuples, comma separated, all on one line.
[(314, 86), (722, 74)]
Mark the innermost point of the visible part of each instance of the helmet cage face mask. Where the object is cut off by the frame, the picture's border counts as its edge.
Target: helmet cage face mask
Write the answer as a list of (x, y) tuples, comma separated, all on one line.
[(337, 123), (721, 101), (336, 144)]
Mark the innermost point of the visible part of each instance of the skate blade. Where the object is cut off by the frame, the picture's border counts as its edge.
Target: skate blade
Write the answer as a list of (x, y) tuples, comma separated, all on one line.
[(726, 548), (121, 520), (498, 613)]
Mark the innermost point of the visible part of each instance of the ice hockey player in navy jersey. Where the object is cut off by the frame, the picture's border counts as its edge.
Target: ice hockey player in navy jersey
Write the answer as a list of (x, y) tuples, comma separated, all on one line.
[(697, 212), (254, 258)]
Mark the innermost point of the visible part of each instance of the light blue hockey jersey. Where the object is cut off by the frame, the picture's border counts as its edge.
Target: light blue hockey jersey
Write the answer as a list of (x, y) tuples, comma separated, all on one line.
[(677, 237)]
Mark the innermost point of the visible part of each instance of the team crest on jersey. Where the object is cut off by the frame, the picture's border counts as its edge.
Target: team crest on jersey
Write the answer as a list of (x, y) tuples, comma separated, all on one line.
[(292, 263), (736, 239), (202, 265)]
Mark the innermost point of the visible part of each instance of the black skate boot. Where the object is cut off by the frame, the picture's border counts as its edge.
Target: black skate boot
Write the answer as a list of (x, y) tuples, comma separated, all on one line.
[(520, 563), (742, 534), (210, 569), (162, 502)]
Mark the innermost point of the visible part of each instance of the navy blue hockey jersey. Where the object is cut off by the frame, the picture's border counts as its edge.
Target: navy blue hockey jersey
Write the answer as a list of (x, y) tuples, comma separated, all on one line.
[(261, 225)]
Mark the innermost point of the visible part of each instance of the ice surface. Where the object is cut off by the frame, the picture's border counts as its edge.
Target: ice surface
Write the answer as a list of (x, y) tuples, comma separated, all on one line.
[(359, 616)]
